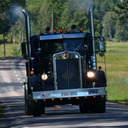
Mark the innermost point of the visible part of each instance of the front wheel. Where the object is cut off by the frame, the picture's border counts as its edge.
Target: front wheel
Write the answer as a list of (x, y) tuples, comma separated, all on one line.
[(84, 107), (38, 108), (98, 105), (28, 108), (101, 105)]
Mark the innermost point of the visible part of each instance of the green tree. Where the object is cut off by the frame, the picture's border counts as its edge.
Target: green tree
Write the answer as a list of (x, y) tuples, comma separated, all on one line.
[(122, 12), (5, 19), (109, 25), (57, 6), (121, 32), (40, 15), (72, 15), (122, 20)]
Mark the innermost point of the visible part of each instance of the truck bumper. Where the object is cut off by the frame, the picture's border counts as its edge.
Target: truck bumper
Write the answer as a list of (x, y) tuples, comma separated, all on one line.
[(68, 93)]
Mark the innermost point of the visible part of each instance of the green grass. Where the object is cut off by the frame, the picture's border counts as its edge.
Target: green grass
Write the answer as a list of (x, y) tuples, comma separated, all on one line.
[(11, 50), (117, 71)]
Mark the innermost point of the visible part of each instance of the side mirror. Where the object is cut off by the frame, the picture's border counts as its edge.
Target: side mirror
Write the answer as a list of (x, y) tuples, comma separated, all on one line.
[(23, 46), (102, 46)]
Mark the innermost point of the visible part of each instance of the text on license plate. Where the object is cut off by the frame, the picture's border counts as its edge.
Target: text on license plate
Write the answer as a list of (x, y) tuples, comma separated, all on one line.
[(68, 93)]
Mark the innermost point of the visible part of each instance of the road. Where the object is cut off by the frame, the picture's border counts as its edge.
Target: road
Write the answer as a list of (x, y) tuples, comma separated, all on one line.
[(12, 76)]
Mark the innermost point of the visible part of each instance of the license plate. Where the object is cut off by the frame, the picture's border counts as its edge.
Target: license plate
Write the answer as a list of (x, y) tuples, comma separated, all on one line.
[(69, 93), (93, 91)]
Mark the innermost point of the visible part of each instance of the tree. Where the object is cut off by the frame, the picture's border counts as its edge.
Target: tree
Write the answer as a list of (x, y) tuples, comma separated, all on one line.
[(5, 14), (109, 25), (4, 20), (121, 32), (122, 20), (122, 12)]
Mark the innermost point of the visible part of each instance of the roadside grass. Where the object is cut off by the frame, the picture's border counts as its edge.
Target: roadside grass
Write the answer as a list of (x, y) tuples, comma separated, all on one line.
[(11, 50), (117, 71)]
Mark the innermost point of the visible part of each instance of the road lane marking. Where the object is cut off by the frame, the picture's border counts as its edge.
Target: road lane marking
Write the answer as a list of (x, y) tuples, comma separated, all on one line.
[(18, 78)]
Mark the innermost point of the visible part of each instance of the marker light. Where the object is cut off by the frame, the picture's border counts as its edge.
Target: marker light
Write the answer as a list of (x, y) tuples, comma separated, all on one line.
[(32, 72), (100, 67), (61, 30), (90, 74), (44, 76), (68, 30), (42, 32), (81, 30), (54, 31)]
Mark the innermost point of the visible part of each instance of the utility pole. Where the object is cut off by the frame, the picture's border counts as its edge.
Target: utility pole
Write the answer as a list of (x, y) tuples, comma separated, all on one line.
[(20, 39), (4, 45), (52, 23)]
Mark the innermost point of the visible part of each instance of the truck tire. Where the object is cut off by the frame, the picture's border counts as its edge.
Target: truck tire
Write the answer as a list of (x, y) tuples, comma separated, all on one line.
[(37, 109), (101, 105), (84, 107), (92, 105), (43, 109), (98, 105), (28, 108)]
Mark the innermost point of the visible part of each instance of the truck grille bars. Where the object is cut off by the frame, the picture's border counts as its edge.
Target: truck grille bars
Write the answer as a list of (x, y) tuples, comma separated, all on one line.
[(67, 70)]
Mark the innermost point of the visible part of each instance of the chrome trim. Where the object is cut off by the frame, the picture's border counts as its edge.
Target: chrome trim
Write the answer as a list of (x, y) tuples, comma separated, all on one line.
[(32, 58), (55, 75), (62, 36), (26, 91), (54, 67), (28, 33), (82, 92), (94, 63)]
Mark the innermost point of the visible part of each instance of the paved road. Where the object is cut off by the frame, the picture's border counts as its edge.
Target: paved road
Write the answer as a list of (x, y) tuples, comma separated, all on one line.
[(12, 76)]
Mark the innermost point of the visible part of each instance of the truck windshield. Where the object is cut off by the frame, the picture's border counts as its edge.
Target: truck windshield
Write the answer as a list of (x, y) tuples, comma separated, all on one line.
[(73, 44), (54, 46)]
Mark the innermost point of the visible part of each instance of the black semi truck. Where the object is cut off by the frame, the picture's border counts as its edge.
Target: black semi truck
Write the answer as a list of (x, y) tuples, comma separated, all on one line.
[(62, 69)]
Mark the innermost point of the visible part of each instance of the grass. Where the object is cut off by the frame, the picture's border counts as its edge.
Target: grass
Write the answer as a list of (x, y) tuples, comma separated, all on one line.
[(117, 71), (11, 50)]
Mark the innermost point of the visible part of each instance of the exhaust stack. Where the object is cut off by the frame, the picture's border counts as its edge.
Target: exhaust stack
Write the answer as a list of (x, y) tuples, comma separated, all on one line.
[(28, 33), (93, 35)]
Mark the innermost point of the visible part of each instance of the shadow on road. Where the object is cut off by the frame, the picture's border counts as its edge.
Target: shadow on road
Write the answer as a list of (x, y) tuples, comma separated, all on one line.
[(116, 116)]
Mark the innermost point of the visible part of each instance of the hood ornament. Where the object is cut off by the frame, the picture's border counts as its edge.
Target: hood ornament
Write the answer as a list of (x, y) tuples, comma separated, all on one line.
[(65, 56)]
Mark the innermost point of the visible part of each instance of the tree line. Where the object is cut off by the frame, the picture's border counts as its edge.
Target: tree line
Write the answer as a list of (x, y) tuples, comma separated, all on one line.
[(110, 17)]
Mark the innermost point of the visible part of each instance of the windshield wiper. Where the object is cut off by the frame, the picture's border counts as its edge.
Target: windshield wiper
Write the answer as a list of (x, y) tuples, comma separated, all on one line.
[(78, 47)]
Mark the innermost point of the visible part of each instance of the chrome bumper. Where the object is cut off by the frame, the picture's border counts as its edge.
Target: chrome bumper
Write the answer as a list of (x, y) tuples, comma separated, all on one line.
[(82, 92)]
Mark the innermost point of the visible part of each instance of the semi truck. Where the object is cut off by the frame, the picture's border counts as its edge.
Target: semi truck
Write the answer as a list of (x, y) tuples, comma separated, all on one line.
[(61, 69)]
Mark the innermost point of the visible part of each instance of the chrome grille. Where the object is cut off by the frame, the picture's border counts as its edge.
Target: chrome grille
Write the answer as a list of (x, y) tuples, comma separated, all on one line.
[(67, 70)]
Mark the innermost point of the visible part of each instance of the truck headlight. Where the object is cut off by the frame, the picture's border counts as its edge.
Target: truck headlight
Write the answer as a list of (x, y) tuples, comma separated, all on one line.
[(90, 74), (44, 76)]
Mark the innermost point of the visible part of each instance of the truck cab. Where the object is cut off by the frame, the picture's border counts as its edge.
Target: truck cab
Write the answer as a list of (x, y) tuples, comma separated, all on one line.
[(62, 69)]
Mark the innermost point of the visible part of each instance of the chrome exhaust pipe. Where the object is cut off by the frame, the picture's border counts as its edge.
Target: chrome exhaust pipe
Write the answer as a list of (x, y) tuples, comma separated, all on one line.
[(94, 63), (28, 33)]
